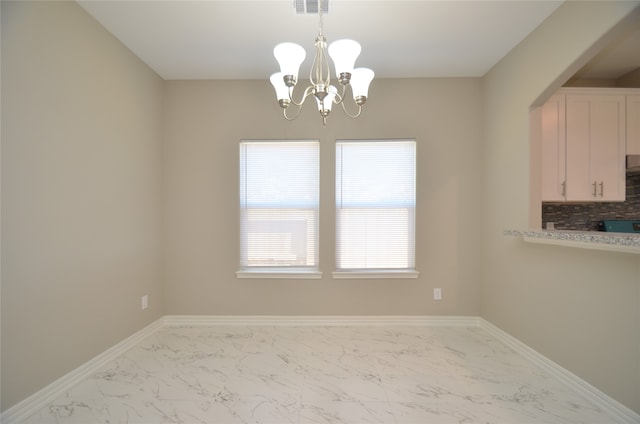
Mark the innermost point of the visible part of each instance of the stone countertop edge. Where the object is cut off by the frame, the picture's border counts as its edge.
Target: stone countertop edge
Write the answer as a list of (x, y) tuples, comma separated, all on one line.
[(616, 242)]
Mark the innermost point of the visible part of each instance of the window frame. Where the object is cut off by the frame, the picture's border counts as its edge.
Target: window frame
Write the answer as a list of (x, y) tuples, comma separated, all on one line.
[(374, 273), (286, 271)]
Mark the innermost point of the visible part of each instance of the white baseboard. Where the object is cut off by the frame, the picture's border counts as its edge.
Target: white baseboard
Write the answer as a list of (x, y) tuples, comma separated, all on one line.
[(592, 394), (40, 399), (31, 405), (328, 320)]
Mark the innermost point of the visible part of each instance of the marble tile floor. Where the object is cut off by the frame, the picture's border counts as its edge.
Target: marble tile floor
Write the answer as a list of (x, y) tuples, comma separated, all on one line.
[(317, 374)]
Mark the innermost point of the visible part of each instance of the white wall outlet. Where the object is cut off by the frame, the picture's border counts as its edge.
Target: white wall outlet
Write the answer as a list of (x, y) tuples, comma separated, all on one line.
[(145, 302), (437, 294)]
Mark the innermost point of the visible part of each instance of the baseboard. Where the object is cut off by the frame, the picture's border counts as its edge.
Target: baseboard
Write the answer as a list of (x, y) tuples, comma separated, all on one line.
[(40, 399), (31, 405), (588, 391), (328, 320)]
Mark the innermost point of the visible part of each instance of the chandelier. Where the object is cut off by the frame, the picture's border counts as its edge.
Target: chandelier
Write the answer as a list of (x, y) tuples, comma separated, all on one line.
[(343, 53)]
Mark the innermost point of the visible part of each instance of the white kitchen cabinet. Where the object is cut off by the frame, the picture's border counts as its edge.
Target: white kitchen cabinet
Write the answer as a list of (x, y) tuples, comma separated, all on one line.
[(633, 125), (595, 138), (553, 145), (582, 137)]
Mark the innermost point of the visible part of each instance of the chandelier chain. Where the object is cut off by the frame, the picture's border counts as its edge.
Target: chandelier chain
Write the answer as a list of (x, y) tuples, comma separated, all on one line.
[(320, 5)]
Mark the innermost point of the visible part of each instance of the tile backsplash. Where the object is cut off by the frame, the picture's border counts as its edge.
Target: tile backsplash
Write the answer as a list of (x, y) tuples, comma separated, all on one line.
[(586, 216)]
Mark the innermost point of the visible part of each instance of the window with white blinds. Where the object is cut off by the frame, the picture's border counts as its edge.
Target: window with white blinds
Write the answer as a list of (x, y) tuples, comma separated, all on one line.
[(375, 205), (279, 196)]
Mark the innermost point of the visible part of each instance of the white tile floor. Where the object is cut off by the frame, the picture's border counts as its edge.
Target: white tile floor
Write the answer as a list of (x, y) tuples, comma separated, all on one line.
[(337, 374)]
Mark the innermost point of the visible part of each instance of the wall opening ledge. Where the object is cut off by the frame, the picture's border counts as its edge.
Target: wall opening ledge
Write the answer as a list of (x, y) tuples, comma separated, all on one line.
[(594, 240)]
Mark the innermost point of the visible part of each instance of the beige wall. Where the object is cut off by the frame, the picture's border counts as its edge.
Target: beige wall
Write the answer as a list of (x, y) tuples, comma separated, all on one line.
[(632, 79), (205, 120), (580, 308), (81, 193)]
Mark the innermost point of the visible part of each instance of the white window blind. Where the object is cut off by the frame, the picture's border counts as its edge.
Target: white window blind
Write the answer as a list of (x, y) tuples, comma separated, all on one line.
[(279, 196), (375, 205)]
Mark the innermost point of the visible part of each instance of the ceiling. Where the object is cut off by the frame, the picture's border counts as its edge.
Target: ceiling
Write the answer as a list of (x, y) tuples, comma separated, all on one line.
[(234, 39), (215, 39)]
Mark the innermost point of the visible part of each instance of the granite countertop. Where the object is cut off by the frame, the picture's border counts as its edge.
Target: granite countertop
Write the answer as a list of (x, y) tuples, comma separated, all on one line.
[(616, 242)]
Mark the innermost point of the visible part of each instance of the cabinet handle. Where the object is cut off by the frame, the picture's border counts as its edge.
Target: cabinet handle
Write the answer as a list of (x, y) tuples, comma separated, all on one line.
[(595, 188), (601, 188), (564, 189)]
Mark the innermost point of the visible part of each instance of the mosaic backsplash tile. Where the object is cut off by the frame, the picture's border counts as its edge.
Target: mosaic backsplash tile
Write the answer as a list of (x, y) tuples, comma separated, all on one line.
[(587, 216)]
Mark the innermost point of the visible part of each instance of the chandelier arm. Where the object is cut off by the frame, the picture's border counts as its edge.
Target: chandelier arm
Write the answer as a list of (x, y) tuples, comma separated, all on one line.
[(297, 113), (320, 65), (344, 108), (341, 101), (288, 118), (325, 67), (315, 66), (307, 92), (339, 98)]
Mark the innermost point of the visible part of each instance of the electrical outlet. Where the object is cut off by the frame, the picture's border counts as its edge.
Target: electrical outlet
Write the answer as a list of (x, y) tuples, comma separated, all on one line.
[(437, 294), (145, 302)]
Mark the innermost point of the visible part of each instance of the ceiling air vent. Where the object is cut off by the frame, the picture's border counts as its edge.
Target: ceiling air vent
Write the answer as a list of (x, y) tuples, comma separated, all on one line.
[(310, 6)]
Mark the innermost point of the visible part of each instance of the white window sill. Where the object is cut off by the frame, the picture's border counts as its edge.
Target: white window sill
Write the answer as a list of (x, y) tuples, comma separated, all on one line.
[(304, 275), (375, 274)]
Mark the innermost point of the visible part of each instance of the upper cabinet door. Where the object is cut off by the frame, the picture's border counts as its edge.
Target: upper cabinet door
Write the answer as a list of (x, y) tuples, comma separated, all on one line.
[(553, 145), (578, 144), (633, 125), (608, 147), (595, 133)]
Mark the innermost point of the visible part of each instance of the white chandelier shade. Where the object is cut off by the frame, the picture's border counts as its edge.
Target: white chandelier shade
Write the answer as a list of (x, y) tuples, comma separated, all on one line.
[(343, 53), (360, 80), (324, 105), (282, 91), (289, 56)]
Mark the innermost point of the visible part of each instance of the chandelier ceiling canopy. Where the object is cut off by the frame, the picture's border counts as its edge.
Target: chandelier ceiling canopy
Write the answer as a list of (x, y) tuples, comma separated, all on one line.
[(343, 53)]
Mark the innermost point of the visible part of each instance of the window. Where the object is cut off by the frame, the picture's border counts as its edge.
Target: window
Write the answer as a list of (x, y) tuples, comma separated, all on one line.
[(375, 208), (279, 196)]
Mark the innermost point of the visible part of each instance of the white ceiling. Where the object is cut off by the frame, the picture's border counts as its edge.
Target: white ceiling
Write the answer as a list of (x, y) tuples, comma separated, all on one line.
[(217, 39)]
